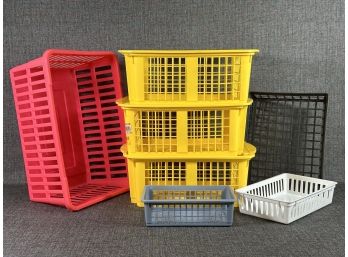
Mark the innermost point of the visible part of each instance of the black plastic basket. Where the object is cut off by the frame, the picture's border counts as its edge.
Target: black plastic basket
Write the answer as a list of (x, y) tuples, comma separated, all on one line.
[(288, 131)]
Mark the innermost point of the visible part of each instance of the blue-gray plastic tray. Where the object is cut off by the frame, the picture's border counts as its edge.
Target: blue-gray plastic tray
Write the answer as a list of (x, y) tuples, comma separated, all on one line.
[(188, 205)]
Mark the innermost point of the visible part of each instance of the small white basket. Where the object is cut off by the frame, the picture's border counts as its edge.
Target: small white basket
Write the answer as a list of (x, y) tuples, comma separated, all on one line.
[(286, 197)]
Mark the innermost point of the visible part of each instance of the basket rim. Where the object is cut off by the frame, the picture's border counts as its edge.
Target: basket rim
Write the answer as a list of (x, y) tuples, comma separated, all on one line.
[(195, 52), (124, 103), (54, 51), (248, 154), (228, 199)]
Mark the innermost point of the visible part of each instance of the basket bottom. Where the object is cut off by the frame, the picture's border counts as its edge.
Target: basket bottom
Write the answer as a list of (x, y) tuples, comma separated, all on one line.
[(286, 196), (86, 195)]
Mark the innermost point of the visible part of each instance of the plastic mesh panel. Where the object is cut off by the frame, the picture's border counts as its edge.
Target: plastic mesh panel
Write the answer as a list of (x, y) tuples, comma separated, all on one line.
[(219, 78), (38, 137), (156, 131), (101, 122), (165, 173), (165, 79), (208, 130), (218, 173), (59, 61), (288, 131)]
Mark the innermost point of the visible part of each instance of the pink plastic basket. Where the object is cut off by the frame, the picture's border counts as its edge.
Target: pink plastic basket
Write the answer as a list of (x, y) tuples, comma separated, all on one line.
[(70, 127)]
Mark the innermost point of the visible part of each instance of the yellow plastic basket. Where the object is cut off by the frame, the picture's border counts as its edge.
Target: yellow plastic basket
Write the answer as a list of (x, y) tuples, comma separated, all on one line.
[(153, 128), (186, 169), (188, 75)]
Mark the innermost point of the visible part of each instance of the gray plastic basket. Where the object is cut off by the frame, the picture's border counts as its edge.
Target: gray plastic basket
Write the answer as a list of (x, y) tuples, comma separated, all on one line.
[(188, 205)]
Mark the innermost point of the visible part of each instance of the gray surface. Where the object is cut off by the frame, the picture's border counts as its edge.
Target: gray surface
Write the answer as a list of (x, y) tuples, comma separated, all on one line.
[(116, 228), (301, 44)]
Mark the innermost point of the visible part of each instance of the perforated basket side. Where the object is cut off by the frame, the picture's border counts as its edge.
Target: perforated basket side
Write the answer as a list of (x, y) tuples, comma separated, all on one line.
[(188, 206), (102, 122), (185, 129), (219, 78), (39, 137), (209, 75), (289, 132), (177, 172)]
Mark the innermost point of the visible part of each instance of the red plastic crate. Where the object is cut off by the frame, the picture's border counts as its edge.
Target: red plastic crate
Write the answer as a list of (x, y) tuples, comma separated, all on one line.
[(70, 127)]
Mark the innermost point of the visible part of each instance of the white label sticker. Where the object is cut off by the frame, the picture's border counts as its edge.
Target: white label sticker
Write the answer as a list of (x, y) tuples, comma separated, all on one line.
[(128, 129)]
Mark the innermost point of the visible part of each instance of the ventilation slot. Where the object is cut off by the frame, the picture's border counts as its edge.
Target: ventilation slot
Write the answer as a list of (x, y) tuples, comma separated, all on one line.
[(219, 78), (208, 130), (165, 173), (156, 131), (165, 79)]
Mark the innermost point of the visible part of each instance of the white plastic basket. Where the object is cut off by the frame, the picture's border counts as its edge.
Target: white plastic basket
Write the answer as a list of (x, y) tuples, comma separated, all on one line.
[(286, 197)]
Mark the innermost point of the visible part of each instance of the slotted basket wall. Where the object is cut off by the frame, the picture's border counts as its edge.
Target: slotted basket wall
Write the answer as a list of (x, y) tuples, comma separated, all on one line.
[(70, 127), (188, 205), (288, 130), (188, 75), (187, 129), (182, 169)]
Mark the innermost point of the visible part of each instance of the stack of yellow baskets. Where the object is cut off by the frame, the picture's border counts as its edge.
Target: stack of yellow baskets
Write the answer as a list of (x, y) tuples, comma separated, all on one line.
[(186, 117)]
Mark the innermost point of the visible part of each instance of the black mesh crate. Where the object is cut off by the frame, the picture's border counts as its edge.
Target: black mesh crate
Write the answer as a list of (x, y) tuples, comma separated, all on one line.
[(288, 131)]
